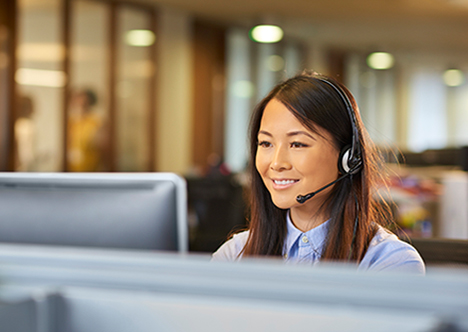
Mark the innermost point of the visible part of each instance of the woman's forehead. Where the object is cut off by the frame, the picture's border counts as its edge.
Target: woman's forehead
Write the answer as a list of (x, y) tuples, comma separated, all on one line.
[(276, 114), (277, 117)]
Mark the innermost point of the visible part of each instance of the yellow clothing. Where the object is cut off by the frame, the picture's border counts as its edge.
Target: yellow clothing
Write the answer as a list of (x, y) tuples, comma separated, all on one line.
[(84, 150)]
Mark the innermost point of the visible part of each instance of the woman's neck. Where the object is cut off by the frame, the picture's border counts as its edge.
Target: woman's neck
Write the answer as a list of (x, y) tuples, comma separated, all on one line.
[(306, 219)]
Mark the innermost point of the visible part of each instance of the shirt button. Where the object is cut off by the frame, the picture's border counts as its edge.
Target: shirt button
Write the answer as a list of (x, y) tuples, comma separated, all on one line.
[(286, 256), (305, 239)]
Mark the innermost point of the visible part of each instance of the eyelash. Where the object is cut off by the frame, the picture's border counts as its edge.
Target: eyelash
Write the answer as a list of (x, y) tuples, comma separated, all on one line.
[(298, 145), (266, 144)]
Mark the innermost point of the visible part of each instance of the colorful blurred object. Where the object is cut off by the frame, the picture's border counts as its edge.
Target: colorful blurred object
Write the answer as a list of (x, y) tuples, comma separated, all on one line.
[(416, 200)]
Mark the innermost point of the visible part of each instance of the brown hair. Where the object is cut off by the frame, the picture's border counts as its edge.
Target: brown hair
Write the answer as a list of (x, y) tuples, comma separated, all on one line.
[(315, 103)]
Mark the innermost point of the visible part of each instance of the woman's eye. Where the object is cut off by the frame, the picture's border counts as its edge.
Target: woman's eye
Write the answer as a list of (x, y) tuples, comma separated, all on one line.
[(298, 145), (264, 144)]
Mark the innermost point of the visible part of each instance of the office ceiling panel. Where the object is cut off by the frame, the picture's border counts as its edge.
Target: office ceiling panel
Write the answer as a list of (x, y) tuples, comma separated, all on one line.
[(436, 26), (322, 10), (431, 25)]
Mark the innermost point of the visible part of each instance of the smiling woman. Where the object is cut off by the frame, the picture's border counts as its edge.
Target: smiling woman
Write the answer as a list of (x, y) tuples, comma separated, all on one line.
[(307, 136), (292, 160)]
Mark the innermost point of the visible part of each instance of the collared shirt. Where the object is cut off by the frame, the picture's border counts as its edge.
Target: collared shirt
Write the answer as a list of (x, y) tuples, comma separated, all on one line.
[(304, 247), (385, 252)]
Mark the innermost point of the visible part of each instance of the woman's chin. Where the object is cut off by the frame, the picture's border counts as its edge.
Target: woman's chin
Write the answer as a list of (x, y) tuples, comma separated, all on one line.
[(281, 204)]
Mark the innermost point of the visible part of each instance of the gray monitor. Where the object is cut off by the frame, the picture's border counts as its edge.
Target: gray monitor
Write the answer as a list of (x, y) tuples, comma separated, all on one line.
[(87, 290), (144, 211)]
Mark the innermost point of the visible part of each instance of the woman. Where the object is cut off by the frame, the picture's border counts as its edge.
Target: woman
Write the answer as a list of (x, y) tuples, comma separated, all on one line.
[(313, 180)]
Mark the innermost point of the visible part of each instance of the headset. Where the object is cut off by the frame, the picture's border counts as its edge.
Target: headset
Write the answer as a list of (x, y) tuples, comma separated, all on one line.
[(350, 158), (350, 161)]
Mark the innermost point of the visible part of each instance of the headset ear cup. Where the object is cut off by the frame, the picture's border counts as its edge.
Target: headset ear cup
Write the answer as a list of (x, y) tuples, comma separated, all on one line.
[(343, 160)]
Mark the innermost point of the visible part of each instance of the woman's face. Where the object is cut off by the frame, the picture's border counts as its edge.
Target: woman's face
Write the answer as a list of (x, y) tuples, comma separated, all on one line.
[(291, 159)]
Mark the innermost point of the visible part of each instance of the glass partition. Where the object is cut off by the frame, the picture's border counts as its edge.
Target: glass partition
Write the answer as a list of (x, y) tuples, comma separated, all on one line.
[(39, 124), (133, 91), (88, 109)]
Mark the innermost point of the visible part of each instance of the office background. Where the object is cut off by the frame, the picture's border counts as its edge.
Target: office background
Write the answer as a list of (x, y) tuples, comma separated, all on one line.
[(169, 86), (139, 86)]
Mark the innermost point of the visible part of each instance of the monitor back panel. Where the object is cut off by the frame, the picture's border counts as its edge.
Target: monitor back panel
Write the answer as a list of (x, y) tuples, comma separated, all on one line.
[(140, 211)]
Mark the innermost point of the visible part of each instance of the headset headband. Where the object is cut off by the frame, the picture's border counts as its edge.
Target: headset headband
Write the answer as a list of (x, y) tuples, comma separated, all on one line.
[(354, 161)]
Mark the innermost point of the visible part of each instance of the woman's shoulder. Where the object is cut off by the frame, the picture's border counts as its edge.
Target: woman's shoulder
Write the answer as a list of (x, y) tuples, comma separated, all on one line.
[(387, 252), (231, 249)]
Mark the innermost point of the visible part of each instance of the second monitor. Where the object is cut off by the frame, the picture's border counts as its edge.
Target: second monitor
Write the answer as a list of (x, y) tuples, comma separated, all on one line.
[(144, 211)]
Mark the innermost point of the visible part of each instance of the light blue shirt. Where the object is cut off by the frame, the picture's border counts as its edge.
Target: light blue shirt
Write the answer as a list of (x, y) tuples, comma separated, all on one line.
[(385, 253)]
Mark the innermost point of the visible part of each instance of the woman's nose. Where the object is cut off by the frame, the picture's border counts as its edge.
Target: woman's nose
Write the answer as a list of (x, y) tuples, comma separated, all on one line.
[(280, 161)]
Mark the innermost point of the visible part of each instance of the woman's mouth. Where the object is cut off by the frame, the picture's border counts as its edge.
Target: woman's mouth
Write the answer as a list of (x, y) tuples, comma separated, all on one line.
[(283, 183)]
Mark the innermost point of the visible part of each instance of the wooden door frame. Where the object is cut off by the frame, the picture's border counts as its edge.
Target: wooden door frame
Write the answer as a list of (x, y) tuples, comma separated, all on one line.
[(8, 20)]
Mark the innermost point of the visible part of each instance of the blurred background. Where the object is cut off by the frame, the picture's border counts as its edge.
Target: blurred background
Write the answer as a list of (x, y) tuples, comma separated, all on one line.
[(168, 85)]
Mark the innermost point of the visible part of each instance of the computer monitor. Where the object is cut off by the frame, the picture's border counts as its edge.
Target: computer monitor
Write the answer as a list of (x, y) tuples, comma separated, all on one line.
[(144, 211), (84, 290)]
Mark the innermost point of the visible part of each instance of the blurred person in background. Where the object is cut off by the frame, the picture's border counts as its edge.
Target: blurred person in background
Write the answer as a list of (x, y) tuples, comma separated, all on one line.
[(25, 136), (85, 133)]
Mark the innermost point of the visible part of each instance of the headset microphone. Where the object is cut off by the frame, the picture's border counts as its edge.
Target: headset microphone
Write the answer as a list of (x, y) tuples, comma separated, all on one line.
[(302, 199)]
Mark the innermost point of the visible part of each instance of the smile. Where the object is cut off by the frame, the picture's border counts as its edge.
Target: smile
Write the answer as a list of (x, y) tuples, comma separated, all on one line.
[(283, 183)]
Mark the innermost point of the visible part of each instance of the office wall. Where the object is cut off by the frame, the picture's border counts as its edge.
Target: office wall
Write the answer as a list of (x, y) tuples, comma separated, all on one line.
[(7, 61), (174, 96)]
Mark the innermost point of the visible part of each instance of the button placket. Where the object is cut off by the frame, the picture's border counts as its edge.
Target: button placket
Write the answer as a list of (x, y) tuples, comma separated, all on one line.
[(304, 249)]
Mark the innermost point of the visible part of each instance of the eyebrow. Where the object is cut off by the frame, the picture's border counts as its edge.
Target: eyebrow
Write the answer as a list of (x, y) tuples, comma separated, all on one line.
[(292, 133), (299, 132)]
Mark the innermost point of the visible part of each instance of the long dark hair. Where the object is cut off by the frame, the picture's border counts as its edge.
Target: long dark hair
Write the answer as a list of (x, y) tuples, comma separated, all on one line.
[(315, 103)]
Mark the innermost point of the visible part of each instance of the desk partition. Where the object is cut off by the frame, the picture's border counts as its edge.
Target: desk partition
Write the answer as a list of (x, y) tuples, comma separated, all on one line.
[(99, 290)]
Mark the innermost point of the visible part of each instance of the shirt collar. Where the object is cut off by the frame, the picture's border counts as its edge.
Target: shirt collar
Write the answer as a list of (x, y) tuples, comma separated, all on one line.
[(316, 236)]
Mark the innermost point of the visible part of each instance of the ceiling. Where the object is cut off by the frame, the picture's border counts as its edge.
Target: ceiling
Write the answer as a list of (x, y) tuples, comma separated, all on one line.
[(439, 26)]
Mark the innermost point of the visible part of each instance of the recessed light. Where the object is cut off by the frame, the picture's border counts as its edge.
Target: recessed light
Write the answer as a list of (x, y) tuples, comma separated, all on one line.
[(266, 33), (453, 77), (380, 60), (140, 38)]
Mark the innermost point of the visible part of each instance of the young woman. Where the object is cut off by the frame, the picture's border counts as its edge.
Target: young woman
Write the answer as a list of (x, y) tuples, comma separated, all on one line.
[(314, 177)]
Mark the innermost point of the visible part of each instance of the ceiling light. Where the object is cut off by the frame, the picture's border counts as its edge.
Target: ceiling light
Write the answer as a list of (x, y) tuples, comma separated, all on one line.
[(275, 63), (454, 77), (41, 52), (266, 34), (39, 77), (380, 60), (140, 38), (243, 89)]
